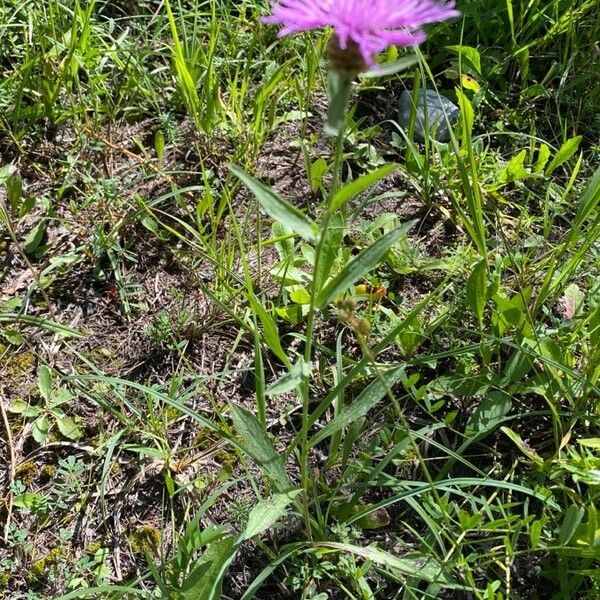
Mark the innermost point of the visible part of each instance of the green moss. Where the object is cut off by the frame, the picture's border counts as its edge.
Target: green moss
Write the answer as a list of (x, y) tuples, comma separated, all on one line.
[(26, 472), (19, 364), (48, 472), (171, 413), (40, 567), (225, 458), (145, 539), (4, 580), (93, 547)]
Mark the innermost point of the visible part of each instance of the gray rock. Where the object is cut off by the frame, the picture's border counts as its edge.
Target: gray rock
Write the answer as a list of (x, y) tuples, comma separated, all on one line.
[(432, 111)]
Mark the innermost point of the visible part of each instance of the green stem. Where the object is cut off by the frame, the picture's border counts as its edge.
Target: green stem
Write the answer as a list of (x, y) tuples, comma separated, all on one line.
[(312, 312)]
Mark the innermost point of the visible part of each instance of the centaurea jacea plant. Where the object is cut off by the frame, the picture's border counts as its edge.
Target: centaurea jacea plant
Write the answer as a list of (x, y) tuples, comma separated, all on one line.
[(361, 29)]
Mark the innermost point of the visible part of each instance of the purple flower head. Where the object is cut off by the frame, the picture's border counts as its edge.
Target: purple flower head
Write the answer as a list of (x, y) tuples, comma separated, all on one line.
[(370, 26)]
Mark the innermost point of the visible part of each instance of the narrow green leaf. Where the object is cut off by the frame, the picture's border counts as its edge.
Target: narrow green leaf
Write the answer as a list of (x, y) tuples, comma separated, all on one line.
[(476, 290), (419, 566), (278, 209), (270, 331), (356, 187), (467, 115), (266, 513), (361, 265), (103, 591), (572, 519), (258, 446), (542, 158), (365, 401), (391, 68), (587, 205), (46, 324), (44, 380), (590, 443), (14, 186), (523, 447), (339, 88), (564, 153)]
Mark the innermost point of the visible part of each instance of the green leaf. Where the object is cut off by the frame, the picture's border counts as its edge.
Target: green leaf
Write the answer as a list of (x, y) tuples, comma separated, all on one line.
[(517, 366), (467, 115), (339, 88), (278, 209), (300, 295), (29, 501), (391, 68), (266, 513), (523, 447), (34, 237), (515, 169), (291, 379), (361, 265), (20, 407), (60, 396), (587, 205), (68, 428), (542, 158), (535, 532), (145, 450), (590, 443), (492, 409), (565, 152), (356, 187), (44, 380), (317, 172), (159, 144), (477, 291), (365, 401), (270, 331), (46, 324), (257, 445), (419, 566), (470, 54), (572, 519), (11, 178), (40, 428), (12, 336), (205, 579)]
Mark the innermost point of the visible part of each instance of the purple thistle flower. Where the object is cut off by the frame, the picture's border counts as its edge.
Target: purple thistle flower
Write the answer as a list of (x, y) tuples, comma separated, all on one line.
[(368, 26)]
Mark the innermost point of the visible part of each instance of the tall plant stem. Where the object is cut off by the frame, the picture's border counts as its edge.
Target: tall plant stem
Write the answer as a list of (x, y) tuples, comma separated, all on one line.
[(312, 313)]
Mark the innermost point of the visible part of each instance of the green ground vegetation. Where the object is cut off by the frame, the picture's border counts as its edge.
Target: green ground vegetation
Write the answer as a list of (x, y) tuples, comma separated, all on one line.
[(237, 364)]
